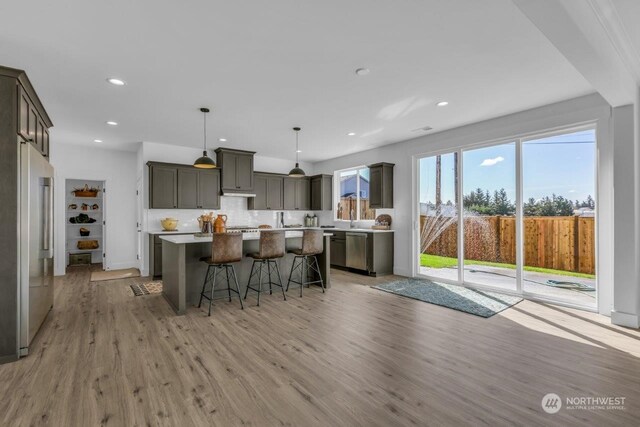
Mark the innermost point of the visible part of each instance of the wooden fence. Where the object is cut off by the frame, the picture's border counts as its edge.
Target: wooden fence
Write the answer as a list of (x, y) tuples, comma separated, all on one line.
[(558, 242), (346, 204)]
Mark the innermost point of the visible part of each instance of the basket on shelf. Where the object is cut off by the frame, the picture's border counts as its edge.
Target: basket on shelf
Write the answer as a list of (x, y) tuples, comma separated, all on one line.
[(84, 232), (86, 191), (88, 244)]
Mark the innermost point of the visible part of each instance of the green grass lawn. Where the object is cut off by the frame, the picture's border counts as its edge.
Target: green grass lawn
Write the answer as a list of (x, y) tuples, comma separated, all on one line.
[(435, 261)]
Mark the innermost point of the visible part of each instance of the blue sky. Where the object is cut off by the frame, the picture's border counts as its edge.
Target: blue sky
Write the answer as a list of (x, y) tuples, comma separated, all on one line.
[(564, 165)]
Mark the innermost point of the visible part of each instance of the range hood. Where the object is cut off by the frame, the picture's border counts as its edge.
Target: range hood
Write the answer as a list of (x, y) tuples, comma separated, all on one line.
[(230, 193)]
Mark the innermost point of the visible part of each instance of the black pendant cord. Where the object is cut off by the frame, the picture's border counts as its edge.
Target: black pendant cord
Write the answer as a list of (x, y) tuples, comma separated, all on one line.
[(205, 131), (297, 149)]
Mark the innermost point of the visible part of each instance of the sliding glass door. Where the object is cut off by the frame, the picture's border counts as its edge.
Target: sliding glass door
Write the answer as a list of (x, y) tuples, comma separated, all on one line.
[(489, 176), (558, 191), (517, 216), (438, 233)]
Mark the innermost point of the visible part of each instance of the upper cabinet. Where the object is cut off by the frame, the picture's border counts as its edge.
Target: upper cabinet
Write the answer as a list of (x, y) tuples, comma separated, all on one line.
[(237, 170), (321, 192), (173, 186), (297, 194), (268, 189), (381, 185), (163, 186), (33, 122)]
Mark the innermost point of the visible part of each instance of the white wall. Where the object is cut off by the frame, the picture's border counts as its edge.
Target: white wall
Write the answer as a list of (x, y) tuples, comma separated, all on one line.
[(591, 108), (118, 170)]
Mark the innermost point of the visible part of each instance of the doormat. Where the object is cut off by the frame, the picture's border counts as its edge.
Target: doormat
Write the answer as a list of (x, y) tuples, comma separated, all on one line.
[(99, 276), (146, 288), (480, 303)]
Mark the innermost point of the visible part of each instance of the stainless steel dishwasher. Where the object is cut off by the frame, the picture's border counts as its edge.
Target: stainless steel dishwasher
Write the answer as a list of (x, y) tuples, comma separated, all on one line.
[(357, 251)]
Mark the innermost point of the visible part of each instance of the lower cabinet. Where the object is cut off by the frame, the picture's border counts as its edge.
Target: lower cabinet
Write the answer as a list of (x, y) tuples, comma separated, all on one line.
[(338, 249), (155, 254), (369, 253)]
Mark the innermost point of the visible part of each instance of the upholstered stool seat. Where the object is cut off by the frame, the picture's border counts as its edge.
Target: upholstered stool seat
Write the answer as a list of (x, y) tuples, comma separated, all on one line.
[(272, 247), (305, 259), (226, 248)]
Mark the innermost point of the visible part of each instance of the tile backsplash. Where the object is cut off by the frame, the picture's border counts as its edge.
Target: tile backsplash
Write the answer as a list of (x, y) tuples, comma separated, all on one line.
[(237, 215)]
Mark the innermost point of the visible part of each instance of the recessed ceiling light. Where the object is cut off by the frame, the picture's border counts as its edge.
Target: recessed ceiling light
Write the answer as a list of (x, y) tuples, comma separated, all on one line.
[(116, 81), (112, 123), (97, 140), (222, 139), (351, 134), (362, 71), (298, 151), (442, 104)]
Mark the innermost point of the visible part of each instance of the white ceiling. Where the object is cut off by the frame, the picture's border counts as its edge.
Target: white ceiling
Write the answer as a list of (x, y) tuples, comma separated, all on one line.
[(266, 66)]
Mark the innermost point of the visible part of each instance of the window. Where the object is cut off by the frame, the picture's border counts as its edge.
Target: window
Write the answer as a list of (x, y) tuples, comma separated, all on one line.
[(353, 195)]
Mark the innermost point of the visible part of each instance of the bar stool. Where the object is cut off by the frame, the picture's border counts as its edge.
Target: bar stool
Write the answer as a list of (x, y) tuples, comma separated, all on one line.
[(272, 247), (305, 259), (225, 249)]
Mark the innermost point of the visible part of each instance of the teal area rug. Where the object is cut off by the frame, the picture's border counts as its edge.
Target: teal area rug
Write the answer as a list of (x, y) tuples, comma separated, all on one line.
[(481, 303)]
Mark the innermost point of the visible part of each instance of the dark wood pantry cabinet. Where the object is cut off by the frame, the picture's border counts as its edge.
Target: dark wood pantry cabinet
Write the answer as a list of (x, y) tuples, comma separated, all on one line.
[(175, 186)]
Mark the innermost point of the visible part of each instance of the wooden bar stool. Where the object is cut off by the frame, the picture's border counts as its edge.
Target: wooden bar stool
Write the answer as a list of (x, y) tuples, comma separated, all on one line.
[(225, 249), (272, 247), (305, 259)]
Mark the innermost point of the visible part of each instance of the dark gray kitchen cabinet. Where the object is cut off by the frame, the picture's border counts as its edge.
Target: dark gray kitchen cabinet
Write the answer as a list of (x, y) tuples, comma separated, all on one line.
[(268, 190), (23, 113), (209, 189), (155, 254), (296, 194), (188, 188), (32, 126), (381, 186), (321, 192), (338, 249), (163, 183), (183, 187), (237, 170)]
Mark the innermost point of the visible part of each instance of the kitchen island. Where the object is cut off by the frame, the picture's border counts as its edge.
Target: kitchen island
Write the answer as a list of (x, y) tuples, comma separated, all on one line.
[(183, 272)]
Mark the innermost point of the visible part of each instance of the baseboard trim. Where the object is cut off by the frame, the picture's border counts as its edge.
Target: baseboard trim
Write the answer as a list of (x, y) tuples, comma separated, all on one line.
[(625, 319), (402, 272)]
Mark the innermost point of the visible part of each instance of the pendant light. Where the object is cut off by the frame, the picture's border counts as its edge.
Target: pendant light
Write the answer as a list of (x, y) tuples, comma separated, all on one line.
[(204, 162), (297, 172)]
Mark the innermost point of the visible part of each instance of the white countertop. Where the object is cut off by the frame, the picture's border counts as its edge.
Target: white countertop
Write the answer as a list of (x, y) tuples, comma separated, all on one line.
[(355, 230), (190, 238), (159, 232)]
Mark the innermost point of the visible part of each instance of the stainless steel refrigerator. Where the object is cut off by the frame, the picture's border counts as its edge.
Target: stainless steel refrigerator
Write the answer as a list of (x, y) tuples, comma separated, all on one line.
[(35, 275)]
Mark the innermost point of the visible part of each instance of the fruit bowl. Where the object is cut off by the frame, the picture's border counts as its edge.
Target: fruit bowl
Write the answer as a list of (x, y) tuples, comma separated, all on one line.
[(169, 224)]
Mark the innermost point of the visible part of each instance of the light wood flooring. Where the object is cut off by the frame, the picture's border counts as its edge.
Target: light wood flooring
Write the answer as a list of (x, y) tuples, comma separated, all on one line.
[(354, 356)]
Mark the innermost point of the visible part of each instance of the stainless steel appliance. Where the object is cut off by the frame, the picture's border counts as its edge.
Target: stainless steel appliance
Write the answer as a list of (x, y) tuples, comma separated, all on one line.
[(35, 276), (356, 251), (242, 229)]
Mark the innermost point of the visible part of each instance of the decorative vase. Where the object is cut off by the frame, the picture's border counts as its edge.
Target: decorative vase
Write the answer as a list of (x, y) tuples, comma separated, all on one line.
[(220, 224)]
